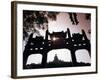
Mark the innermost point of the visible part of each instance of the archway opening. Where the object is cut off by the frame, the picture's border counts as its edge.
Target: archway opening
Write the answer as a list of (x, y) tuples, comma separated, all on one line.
[(82, 56), (63, 55), (34, 59)]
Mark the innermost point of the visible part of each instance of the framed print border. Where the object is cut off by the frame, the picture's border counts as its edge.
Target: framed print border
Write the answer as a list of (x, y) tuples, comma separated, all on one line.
[(16, 31)]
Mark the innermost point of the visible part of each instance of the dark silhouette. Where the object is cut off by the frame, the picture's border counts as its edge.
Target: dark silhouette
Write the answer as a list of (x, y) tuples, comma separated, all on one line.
[(73, 18), (58, 40), (89, 31), (88, 16), (56, 59)]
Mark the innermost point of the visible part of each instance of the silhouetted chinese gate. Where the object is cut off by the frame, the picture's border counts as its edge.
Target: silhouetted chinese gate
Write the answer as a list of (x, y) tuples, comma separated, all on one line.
[(58, 40)]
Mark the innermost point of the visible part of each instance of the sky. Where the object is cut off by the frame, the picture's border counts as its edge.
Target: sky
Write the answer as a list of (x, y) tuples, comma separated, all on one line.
[(63, 22)]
